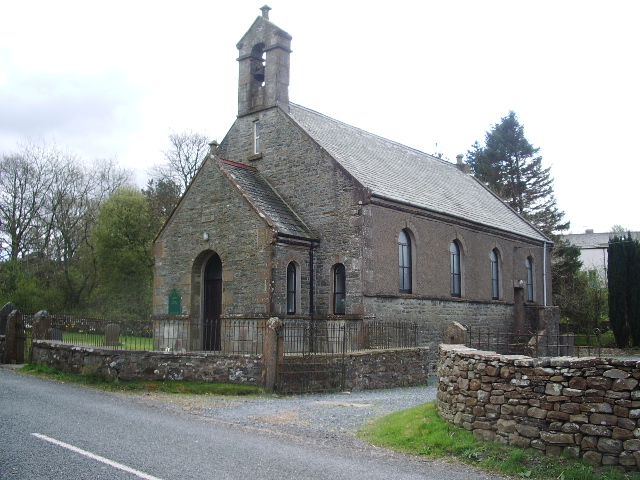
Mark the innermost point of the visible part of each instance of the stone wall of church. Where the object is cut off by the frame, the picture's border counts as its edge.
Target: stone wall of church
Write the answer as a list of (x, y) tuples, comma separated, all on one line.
[(431, 239), (433, 316), (431, 304), (236, 234), (327, 199)]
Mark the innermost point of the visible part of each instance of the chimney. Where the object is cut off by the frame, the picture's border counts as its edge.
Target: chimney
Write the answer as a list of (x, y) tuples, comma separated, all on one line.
[(213, 148), (589, 230), (461, 165), (265, 12)]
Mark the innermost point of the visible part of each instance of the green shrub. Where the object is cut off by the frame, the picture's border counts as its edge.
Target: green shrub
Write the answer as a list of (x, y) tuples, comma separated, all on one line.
[(608, 340)]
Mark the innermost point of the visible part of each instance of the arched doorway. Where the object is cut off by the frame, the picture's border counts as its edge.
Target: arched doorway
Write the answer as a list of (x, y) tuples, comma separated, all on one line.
[(212, 303)]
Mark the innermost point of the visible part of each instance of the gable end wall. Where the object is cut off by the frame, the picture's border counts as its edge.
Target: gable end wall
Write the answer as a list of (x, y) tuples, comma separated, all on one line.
[(236, 234), (319, 191)]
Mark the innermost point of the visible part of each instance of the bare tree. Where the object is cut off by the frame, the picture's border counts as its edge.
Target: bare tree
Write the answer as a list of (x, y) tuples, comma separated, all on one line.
[(26, 176), (182, 161), (49, 201), (74, 201)]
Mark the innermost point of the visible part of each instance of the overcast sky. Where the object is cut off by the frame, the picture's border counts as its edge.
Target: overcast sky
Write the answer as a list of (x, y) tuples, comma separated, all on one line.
[(113, 79)]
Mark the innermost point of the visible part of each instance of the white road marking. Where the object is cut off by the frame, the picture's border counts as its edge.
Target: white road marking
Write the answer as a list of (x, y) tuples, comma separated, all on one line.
[(96, 457)]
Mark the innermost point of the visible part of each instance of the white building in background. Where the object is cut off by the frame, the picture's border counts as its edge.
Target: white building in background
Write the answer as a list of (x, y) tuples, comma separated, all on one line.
[(594, 250)]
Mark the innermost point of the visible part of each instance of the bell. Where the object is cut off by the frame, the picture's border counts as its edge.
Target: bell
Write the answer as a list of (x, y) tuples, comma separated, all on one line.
[(258, 74)]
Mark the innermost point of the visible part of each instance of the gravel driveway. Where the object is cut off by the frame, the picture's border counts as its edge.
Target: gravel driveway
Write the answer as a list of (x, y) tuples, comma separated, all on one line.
[(318, 414)]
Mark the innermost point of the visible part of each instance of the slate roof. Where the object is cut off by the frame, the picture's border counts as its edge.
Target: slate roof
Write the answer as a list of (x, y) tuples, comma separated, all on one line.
[(402, 174), (594, 240), (267, 201)]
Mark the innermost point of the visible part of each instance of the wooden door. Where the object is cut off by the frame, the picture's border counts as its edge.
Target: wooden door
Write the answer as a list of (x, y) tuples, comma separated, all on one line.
[(212, 303)]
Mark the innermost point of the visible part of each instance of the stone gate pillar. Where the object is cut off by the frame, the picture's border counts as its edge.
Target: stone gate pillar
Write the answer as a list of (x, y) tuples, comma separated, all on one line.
[(273, 351), (14, 339)]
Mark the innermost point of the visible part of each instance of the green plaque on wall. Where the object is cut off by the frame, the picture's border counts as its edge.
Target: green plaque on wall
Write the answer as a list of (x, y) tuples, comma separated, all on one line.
[(175, 303)]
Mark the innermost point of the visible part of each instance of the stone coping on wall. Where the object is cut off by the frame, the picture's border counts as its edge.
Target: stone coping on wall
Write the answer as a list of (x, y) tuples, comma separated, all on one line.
[(582, 407)]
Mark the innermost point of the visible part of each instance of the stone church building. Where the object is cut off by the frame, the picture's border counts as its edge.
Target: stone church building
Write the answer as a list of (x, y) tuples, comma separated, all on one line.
[(300, 216)]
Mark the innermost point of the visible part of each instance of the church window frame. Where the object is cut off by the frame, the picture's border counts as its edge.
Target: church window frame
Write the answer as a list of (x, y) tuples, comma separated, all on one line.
[(405, 259), (529, 281), (339, 289), (293, 272), (455, 253), (495, 274)]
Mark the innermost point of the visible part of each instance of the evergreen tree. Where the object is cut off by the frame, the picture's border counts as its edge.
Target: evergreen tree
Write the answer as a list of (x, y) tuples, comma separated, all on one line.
[(163, 195), (511, 167), (624, 289)]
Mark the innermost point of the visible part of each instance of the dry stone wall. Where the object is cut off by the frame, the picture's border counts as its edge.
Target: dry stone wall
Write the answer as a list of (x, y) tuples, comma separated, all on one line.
[(142, 365), (360, 370), (583, 407)]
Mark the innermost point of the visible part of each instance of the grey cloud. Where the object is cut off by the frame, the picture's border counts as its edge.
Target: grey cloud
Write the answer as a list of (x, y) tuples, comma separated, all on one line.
[(76, 109)]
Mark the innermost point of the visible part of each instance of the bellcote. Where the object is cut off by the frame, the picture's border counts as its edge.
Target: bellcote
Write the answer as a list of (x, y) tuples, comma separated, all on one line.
[(263, 81)]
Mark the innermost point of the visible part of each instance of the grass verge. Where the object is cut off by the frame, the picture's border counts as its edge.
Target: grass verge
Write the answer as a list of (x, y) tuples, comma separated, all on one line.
[(421, 431), (102, 383)]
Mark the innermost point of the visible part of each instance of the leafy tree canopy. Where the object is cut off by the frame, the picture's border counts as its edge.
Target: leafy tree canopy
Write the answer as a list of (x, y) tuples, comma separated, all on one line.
[(122, 238), (619, 229)]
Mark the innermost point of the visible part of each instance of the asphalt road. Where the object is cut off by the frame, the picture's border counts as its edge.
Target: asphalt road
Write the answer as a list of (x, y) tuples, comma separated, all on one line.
[(52, 430)]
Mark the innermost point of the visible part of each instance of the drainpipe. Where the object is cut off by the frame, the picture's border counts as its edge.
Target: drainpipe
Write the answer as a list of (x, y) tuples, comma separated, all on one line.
[(312, 326), (311, 280), (544, 270)]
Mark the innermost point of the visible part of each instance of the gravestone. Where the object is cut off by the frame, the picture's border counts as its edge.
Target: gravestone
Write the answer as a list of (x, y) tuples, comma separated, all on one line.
[(4, 315), (455, 334), (55, 334), (41, 325), (175, 303), (112, 335)]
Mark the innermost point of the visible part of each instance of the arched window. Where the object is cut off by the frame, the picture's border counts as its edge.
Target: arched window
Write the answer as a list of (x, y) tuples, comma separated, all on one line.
[(529, 279), (456, 283), (292, 280), (339, 289), (404, 261), (495, 275)]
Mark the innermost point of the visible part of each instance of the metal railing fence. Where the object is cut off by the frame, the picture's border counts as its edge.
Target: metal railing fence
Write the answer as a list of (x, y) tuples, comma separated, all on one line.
[(339, 336), (536, 344), (121, 334), (232, 336)]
